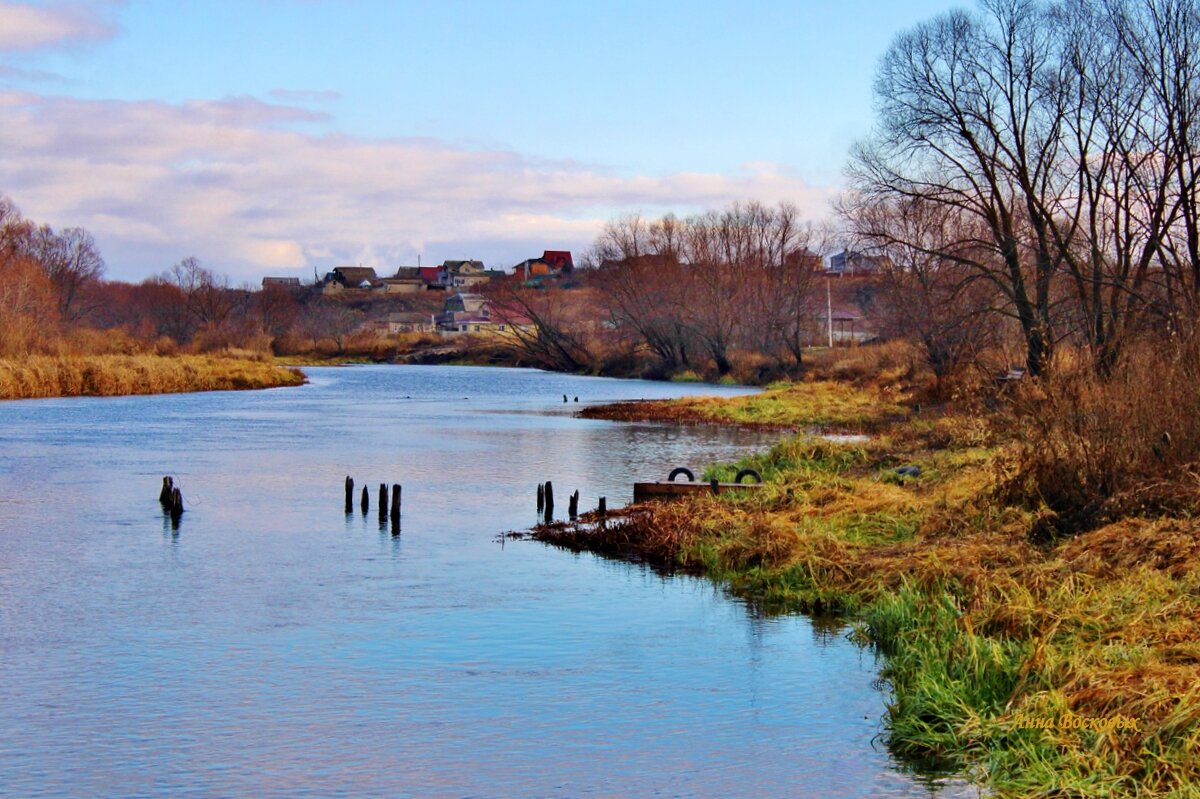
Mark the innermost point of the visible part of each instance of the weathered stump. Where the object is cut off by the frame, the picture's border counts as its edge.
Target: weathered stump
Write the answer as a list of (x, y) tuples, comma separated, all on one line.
[(549, 516), (602, 507), (383, 502), (573, 505), (366, 501), (541, 497), (349, 495), (396, 502), (176, 505), (164, 496)]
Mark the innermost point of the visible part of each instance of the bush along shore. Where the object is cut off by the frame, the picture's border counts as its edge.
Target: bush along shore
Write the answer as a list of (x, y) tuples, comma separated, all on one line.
[(39, 376), (1064, 663)]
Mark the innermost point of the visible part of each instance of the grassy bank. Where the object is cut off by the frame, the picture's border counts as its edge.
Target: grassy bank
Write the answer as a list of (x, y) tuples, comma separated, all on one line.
[(1069, 668), (40, 376)]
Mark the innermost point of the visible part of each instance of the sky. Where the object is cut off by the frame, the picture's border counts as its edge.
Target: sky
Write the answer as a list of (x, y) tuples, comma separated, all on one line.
[(286, 137)]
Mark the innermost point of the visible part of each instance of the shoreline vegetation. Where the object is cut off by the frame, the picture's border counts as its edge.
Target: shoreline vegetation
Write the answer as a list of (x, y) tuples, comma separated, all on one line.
[(45, 376), (1062, 664)]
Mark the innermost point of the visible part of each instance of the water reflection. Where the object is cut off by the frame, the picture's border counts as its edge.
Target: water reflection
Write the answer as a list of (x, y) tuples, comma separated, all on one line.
[(276, 646)]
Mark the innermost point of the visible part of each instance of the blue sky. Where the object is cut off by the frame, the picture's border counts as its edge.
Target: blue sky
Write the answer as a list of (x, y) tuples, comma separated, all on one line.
[(283, 136)]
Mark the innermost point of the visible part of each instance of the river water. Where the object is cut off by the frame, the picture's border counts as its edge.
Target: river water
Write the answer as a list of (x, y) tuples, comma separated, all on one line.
[(274, 646)]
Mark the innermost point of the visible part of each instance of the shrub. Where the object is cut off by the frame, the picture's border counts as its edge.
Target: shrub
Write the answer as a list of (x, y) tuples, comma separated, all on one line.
[(1091, 446)]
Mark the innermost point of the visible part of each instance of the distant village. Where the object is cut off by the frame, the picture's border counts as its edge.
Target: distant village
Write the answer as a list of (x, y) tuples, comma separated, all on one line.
[(459, 286)]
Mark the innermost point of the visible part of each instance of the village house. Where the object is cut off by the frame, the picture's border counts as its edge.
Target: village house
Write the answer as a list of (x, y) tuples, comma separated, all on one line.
[(349, 278), (286, 283), (463, 274), (407, 280), (849, 262), (464, 313), (551, 264), (406, 322), (471, 313)]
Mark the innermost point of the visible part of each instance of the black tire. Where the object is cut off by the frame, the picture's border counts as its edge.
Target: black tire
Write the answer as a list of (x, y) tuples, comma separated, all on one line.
[(684, 471), (748, 473)]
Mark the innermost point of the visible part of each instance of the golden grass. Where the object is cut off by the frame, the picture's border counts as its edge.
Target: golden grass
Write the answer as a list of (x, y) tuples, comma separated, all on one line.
[(782, 406), (40, 376)]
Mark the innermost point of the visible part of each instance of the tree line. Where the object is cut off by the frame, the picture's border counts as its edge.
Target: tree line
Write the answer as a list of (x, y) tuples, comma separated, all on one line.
[(54, 298), (689, 294)]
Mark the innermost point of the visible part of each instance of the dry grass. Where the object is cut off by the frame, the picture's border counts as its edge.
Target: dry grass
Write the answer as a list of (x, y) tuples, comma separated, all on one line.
[(782, 406), (1092, 449), (114, 375)]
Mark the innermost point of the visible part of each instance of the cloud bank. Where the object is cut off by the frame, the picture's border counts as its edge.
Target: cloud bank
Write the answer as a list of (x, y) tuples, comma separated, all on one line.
[(237, 184), (26, 27)]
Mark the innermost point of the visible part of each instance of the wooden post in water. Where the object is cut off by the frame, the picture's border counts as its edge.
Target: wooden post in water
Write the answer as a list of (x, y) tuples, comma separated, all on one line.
[(541, 497), (383, 494), (164, 496), (549, 502), (396, 502), (366, 501), (176, 505), (349, 495), (602, 508), (573, 505)]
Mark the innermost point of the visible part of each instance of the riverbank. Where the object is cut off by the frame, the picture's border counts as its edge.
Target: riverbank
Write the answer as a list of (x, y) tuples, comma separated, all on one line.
[(1070, 668), (41, 376)]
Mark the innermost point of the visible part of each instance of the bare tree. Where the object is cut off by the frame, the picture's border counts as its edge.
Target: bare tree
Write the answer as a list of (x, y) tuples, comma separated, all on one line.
[(72, 262), (966, 122), (639, 273), (332, 321), (1063, 136), (209, 303), (545, 325), (947, 309)]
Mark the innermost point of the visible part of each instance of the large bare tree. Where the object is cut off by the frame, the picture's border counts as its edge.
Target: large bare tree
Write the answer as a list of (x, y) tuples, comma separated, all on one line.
[(1063, 136)]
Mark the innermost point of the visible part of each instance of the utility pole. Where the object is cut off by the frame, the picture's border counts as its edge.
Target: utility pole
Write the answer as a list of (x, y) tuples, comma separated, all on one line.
[(829, 312)]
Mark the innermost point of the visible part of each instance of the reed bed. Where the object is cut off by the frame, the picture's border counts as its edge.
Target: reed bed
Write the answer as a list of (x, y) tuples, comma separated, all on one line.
[(39, 376)]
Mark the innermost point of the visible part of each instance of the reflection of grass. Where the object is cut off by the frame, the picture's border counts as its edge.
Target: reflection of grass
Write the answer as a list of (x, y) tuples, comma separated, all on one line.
[(980, 627), (782, 405), (113, 375)]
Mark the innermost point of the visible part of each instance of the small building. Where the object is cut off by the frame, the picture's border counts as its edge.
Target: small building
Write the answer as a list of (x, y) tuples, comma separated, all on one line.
[(849, 327), (407, 322), (407, 280), (551, 264), (849, 262), (467, 313), (286, 283), (559, 260), (350, 278), (463, 274), (431, 276)]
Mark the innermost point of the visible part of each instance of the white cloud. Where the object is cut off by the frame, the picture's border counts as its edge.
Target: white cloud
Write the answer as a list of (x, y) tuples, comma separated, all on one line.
[(230, 182), (26, 27)]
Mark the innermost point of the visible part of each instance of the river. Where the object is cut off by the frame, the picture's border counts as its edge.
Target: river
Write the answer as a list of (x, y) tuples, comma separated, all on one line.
[(273, 646)]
